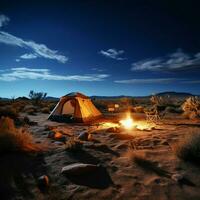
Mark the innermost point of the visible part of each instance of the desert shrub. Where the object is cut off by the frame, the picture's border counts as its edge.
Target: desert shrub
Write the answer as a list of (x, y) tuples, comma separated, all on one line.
[(100, 104), (188, 148), (45, 110), (52, 106), (157, 100), (138, 109), (191, 107), (9, 112), (15, 140), (172, 109), (19, 106), (73, 144), (37, 97), (31, 111)]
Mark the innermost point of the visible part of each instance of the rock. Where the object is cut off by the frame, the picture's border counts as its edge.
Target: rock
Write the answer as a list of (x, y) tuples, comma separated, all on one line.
[(43, 182), (51, 134), (90, 137), (58, 143), (79, 168), (83, 136), (58, 135), (177, 177)]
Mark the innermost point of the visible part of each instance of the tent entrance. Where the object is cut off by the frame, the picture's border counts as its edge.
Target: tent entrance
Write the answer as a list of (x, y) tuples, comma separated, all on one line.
[(68, 108)]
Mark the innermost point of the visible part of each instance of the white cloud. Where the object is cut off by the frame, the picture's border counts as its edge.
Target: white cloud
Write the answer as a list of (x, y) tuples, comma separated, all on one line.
[(28, 56), (39, 50), (147, 81), (3, 20), (45, 74), (113, 53), (98, 69), (175, 61)]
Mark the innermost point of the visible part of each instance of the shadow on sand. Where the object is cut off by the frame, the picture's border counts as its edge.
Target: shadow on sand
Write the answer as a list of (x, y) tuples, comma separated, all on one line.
[(18, 173), (99, 179)]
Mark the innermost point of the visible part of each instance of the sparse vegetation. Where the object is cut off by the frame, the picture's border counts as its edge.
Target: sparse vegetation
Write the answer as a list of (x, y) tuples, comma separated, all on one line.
[(45, 110), (191, 107), (173, 109), (9, 112), (37, 97), (188, 148), (138, 109), (15, 140)]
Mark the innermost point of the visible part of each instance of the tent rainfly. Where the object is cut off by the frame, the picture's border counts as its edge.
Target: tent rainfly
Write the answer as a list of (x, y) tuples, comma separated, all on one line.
[(77, 107)]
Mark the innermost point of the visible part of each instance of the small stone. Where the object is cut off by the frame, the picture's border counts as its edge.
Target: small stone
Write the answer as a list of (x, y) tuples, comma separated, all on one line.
[(43, 182), (58, 143), (51, 134), (83, 136), (177, 177)]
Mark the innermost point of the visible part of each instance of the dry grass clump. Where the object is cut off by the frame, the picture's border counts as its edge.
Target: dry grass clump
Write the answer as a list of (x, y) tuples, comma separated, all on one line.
[(52, 105), (9, 112), (191, 108), (138, 109), (45, 110), (73, 144), (15, 140), (188, 148), (19, 105), (173, 109)]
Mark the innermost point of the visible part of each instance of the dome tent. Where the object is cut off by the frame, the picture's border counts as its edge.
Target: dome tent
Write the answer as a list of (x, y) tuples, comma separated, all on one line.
[(75, 107)]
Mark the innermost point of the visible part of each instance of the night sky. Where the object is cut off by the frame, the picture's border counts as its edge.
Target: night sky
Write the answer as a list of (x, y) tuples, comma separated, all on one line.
[(105, 47)]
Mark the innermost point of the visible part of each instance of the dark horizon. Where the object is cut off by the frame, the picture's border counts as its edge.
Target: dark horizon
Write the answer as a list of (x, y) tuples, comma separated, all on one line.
[(102, 96)]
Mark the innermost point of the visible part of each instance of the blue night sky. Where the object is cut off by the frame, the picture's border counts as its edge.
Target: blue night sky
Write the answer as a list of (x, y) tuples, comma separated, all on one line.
[(113, 47)]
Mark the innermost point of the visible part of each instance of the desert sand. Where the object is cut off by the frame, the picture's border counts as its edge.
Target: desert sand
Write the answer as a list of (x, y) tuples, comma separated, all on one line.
[(122, 178)]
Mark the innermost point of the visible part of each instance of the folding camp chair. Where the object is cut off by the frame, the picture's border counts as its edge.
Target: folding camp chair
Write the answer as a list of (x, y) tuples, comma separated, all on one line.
[(154, 115)]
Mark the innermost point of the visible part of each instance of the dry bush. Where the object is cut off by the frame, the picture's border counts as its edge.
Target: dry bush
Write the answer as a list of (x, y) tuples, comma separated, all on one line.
[(188, 148), (15, 140), (101, 104), (19, 105), (173, 109), (52, 106), (73, 144), (30, 109), (37, 97), (138, 109), (191, 107), (9, 112), (45, 110)]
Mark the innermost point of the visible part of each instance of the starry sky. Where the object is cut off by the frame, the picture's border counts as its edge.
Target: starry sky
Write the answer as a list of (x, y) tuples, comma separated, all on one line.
[(99, 47)]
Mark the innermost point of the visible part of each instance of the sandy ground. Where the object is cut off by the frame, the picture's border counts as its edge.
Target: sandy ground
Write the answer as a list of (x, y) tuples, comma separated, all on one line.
[(124, 179)]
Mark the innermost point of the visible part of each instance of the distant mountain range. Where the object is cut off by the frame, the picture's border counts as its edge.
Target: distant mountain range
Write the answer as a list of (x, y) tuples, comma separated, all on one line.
[(175, 94), (170, 93)]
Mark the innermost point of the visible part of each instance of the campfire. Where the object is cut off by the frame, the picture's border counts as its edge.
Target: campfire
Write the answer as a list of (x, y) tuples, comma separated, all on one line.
[(128, 123)]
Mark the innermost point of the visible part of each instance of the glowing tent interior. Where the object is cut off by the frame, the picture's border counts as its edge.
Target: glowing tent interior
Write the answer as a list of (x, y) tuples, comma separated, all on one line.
[(75, 107)]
